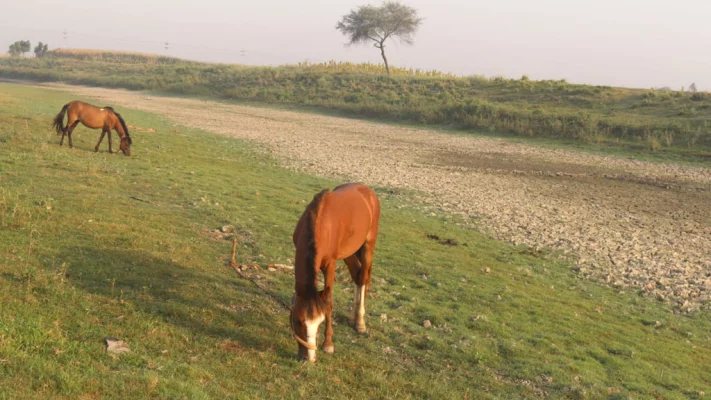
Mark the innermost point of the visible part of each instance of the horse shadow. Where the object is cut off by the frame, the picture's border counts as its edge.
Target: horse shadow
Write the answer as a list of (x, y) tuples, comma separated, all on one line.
[(178, 295)]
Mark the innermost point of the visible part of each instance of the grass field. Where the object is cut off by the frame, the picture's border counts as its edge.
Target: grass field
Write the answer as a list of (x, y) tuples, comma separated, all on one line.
[(82, 259), (641, 119)]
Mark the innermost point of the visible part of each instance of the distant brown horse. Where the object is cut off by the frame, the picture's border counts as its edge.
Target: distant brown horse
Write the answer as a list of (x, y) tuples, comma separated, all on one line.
[(92, 117), (337, 225)]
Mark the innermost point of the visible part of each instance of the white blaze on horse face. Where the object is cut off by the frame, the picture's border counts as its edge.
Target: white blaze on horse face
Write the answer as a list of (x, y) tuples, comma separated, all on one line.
[(312, 334)]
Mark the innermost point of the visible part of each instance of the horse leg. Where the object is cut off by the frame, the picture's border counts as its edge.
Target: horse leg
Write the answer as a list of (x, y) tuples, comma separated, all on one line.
[(329, 277), (355, 268), (103, 132), (110, 150), (69, 132), (64, 132), (365, 255)]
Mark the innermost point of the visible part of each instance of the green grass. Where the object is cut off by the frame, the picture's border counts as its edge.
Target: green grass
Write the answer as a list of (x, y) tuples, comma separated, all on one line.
[(82, 260), (643, 121)]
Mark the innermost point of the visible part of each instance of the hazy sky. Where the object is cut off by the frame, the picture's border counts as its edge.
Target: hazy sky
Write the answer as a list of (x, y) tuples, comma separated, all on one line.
[(637, 43)]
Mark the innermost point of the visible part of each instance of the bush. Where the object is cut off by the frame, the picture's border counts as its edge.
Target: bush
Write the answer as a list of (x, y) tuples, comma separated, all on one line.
[(700, 96)]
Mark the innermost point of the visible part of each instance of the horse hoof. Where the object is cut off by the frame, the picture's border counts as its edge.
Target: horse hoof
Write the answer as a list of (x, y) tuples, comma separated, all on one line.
[(361, 328), (329, 349)]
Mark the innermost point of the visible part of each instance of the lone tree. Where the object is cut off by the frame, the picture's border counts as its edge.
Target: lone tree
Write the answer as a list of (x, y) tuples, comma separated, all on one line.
[(41, 49), (378, 24)]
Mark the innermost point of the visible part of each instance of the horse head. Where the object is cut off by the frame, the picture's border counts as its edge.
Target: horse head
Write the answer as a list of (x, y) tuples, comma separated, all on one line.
[(307, 314), (125, 145)]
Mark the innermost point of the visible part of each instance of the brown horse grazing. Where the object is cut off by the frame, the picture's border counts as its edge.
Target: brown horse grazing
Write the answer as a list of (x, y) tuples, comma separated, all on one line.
[(337, 225), (92, 117)]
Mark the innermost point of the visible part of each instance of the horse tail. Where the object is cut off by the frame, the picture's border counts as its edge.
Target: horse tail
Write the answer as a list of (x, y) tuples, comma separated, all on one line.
[(123, 124), (58, 123)]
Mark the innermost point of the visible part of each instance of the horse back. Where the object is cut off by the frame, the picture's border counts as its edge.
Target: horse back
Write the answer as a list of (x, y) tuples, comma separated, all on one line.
[(79, 106), (90, 115), (355, 193), (351, 215), (339, 221)]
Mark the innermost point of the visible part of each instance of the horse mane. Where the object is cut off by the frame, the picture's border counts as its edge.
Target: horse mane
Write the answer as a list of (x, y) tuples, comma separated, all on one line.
[(312, 214), (123, 123)]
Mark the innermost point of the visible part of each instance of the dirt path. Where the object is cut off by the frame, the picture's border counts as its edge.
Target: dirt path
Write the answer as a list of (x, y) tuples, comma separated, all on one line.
[(633, 223)]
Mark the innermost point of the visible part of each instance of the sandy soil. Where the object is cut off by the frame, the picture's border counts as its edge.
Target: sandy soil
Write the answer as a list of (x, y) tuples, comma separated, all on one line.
[(630, 223)]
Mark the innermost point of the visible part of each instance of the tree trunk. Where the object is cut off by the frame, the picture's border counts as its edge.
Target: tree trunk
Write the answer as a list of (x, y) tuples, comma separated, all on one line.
[(382, 52)]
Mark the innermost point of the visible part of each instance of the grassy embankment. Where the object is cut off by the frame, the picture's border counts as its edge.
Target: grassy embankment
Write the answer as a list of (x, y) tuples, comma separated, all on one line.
[(672, 124)]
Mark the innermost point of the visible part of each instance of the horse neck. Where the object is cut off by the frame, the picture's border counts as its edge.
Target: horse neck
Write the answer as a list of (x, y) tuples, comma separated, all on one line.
[(306, 262), (306, 270), (117, 125)]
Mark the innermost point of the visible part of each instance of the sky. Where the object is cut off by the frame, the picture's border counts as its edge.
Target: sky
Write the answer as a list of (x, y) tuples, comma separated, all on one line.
[(631, 43)]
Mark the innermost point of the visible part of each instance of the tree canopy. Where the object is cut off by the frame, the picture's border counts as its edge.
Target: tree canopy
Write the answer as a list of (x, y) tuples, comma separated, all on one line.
[(19, 48), (41, 49), (379, 23)]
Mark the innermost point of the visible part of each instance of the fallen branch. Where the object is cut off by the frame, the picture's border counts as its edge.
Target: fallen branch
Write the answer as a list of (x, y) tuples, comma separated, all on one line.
[(446, 242), (137, 129), (137, 199), (239, 268), (280, 266), (233, 263)]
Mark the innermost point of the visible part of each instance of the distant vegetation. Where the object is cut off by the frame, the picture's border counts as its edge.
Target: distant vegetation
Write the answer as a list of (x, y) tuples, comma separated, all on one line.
[(645, 119), (19, 48), (41, 49)]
